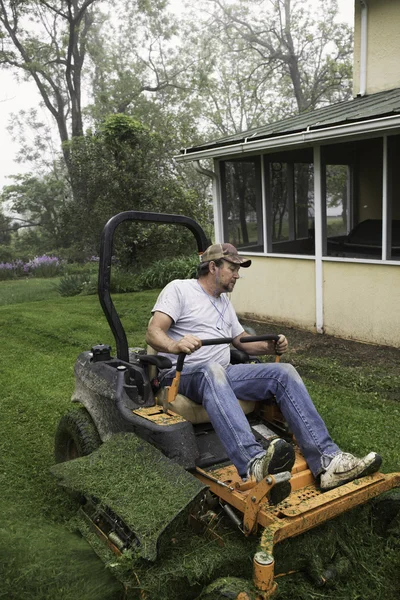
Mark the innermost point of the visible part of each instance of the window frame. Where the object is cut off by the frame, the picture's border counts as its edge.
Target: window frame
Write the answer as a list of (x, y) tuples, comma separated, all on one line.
[(264, 207)]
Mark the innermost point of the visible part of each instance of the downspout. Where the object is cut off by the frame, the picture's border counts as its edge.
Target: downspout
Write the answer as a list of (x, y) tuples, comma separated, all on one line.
[(363, 48), (217, 207), (319, 234)]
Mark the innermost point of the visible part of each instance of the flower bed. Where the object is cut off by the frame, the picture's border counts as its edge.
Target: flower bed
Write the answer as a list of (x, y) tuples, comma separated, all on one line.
[(40, 266)]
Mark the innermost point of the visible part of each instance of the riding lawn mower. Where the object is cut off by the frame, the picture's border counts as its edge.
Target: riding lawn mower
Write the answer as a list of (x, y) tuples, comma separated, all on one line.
[(162, 443)]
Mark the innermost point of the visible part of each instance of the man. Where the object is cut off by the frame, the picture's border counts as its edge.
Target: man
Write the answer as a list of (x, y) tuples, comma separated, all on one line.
[(188, 311)]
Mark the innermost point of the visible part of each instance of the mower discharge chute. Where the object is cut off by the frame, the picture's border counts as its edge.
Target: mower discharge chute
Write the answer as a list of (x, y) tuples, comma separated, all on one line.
[(130, 433)]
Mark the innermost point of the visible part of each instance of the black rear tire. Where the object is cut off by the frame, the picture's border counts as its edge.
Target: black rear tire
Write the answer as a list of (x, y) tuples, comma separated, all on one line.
[(76, 435)]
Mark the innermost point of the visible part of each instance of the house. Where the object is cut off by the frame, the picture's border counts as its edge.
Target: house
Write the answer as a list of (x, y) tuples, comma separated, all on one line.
[(314, 200)]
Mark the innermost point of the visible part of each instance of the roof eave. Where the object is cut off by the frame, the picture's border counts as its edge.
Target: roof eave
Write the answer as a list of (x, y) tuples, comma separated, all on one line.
[(307, 136)]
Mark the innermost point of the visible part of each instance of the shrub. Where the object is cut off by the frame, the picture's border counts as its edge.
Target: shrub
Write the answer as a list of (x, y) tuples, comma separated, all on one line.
[(123, 282), (11, 270), (163, 271), (6, 253), (72, 285), (80, 269), (44, 266)]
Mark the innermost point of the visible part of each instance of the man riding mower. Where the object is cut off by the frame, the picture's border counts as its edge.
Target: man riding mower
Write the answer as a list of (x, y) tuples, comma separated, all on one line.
[(275, 468)]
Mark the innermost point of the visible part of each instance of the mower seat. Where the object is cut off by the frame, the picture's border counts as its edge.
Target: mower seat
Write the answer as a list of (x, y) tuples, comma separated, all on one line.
[(186, 408)]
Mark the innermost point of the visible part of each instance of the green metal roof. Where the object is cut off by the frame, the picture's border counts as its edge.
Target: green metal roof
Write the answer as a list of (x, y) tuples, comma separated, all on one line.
[(381, 104)]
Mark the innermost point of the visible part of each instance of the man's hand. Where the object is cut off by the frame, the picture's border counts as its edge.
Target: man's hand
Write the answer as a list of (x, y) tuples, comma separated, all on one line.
[(260, 348), (158, 338), (281, 345), (187, 344)]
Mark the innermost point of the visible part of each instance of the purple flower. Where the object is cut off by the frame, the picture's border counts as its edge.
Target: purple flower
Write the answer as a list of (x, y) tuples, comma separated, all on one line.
[(44, 260)]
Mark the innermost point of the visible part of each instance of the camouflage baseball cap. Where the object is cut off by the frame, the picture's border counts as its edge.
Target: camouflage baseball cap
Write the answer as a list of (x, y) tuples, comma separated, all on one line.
[(225, 251)]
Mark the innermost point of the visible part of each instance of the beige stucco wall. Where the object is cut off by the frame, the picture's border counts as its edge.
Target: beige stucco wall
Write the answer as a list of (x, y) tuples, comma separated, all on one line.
[(362, 301), (278, 289), (383, 46)]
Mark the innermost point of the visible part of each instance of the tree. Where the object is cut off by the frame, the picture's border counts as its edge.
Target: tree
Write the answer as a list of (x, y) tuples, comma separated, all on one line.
[(139, 69), (271, 59), (121, 167), (40, 203), (5, 231), (47, 41)]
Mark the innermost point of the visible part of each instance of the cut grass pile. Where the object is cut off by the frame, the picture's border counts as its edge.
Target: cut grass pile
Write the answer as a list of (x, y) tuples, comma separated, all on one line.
[(41, 557), (134, 479)]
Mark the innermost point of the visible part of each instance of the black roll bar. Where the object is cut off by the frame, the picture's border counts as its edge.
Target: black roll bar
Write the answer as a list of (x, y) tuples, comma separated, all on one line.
[(106, 246)]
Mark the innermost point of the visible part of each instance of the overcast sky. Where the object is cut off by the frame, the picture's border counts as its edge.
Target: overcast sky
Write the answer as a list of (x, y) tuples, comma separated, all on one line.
[(14, 97)]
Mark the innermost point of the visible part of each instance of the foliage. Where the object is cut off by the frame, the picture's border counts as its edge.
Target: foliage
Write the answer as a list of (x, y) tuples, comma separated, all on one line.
[(72, 285), (264, 61), (5, 232), (224, 67), (123, 281), (161, 272), (47, 41), (10, 270), (139, 70), (44, 266), (41, 201), (122, 167), (40, 266), (7, 253)]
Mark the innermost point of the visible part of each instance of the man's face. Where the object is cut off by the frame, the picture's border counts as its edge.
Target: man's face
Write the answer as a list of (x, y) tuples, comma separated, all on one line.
[(226, 276)]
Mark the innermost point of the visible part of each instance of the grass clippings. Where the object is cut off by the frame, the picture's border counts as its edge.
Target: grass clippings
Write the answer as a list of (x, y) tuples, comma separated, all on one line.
[(138, 483)]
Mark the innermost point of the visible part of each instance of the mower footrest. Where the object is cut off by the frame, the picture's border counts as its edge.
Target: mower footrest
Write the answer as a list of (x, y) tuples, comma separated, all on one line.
[(303, 502)]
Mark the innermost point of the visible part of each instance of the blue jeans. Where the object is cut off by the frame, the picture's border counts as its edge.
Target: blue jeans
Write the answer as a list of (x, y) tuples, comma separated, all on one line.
[(217, 389)]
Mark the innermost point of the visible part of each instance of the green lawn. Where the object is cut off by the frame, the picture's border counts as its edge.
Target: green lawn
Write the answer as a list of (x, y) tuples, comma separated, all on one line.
[(27, 290), (42, 558)]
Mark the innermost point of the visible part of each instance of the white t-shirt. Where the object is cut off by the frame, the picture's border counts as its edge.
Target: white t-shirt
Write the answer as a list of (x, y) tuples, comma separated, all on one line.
[(195, 312)]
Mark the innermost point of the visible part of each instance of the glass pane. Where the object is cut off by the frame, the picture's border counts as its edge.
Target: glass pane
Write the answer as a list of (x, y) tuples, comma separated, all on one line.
[(279, 195), (337, 200), (394, 196), (354, 176), (304, 199), (292, 207), (242, 214)]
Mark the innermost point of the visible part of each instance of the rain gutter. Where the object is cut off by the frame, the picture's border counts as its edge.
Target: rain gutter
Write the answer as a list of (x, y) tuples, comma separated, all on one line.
[(307, 136)]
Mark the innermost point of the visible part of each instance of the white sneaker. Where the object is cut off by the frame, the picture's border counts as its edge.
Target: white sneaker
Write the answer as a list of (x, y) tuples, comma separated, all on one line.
[(345, 467)]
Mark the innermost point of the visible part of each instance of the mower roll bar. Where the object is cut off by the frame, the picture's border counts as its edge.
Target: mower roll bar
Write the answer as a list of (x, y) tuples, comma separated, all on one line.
[(106, 246), (227, 340)]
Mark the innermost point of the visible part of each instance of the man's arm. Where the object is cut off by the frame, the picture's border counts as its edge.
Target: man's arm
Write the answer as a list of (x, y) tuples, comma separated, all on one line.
[(258, 348), (158, 338)]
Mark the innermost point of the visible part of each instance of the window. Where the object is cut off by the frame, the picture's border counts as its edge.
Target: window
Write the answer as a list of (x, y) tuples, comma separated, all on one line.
[(242, 204), (352, 201), (393, 232), (338, 218), (290, 202), (352, 177)]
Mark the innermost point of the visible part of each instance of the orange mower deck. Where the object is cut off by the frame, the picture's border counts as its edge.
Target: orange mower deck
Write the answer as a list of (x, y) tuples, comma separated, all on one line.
[(305, 508)]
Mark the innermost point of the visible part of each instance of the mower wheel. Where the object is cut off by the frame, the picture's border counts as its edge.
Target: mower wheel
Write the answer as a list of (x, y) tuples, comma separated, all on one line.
[(76, 436)]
